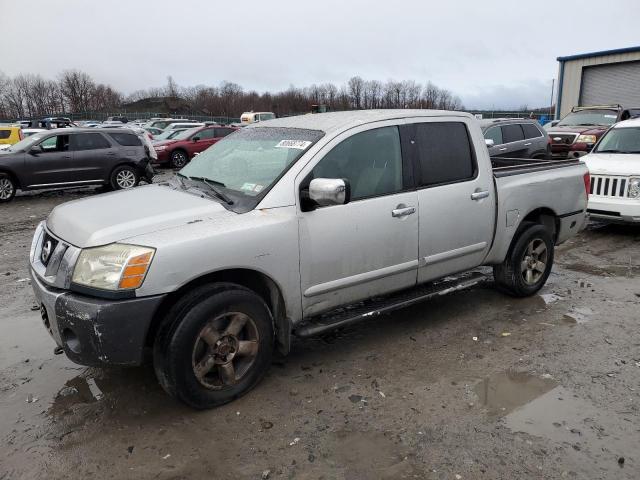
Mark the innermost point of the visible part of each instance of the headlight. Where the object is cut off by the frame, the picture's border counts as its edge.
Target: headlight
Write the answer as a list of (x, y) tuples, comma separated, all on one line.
[(113, 267), (634, 188), (586, 139), (159, 148)]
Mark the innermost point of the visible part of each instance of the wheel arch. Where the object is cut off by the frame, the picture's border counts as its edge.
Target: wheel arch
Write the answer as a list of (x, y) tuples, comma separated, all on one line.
[(12, 175), (543, 216), (258, 282)]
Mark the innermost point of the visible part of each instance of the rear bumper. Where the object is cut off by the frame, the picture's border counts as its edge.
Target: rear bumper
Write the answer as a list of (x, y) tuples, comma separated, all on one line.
[(93, 331), (619, 210)]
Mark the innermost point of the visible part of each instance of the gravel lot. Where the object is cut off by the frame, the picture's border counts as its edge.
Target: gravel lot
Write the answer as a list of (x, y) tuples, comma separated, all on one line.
[(474, 385)]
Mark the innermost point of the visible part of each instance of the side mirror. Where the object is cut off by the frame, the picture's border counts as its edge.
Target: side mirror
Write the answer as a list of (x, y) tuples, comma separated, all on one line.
[(35, 150), (490, 143), (329, 191), (195, 139)]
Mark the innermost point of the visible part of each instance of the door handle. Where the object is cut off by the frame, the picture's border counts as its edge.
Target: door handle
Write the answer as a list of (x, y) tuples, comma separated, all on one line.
[(402, 211), (480, 195), (527, 144), (503, 149)]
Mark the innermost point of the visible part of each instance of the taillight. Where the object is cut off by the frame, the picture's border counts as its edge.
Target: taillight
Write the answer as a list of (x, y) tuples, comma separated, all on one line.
[(587, 183), (20, 134)]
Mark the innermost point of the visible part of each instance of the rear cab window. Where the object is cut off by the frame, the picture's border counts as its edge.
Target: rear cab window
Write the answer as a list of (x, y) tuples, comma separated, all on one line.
[(445, 153)]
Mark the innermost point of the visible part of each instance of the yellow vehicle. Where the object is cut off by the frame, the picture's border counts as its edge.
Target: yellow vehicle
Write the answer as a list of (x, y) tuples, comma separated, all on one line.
[(10, 134)]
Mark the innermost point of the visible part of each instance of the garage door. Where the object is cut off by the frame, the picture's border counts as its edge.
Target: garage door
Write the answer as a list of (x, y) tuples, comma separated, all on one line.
[(610, 84)]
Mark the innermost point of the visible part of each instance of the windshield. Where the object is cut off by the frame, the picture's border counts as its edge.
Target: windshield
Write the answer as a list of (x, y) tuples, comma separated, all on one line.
[(26, 143), (620, 140), (589, 118), (249, 161)]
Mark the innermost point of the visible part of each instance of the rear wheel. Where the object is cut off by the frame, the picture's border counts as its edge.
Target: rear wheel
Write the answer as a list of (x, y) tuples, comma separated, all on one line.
[(214, 346), (124, 177), (178, 159), (528, 263), (7, 188)]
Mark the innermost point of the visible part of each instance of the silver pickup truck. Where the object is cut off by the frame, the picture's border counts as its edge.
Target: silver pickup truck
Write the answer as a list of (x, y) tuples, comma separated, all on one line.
[(293, 227)]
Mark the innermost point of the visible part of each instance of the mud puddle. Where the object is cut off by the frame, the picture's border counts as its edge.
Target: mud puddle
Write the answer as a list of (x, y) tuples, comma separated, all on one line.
[(503, 392), (629, 270)]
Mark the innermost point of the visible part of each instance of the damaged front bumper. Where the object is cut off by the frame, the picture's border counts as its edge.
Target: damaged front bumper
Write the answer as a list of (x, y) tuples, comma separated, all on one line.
[(93, 331)]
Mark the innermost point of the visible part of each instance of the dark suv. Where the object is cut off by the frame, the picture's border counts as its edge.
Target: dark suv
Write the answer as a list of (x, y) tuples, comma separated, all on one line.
[(577, 133), (516, 138), (71, 157)]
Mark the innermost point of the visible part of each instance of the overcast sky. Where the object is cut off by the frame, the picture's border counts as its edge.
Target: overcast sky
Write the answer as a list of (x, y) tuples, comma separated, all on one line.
[(493, 54)]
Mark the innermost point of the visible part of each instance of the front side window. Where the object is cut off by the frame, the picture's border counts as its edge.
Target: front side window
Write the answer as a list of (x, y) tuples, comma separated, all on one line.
[(495, 134), (250, 162), (512, 133), (57, 143), (371, 161), (620, 140), (445, 154), (88, 141)]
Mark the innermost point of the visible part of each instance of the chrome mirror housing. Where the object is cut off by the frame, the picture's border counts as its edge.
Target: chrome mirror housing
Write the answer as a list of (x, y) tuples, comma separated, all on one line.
[(329, 191), (489, 142)]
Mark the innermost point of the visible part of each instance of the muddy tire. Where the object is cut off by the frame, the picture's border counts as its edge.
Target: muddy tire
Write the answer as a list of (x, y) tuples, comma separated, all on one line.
[(528, 263), (7, 188), (215, 345), (179, 159), (124, 177)]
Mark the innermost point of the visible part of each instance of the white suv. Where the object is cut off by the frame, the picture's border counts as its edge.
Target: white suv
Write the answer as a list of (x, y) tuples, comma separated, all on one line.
[(614, 165)]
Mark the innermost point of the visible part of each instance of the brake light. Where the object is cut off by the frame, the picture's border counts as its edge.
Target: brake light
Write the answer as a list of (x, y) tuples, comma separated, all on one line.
[(587, 183), (20, 134)]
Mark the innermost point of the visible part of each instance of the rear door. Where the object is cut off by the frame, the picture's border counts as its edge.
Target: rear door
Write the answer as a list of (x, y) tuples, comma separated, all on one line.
[(455, 197), (50, 162), (535, 141), (93, 156), (513, 141)]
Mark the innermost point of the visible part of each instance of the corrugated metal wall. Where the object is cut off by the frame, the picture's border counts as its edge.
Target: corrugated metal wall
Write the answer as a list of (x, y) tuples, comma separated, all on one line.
[(571, 84)]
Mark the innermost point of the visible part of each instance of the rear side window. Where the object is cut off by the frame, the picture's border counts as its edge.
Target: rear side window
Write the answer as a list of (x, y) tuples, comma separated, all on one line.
[(495, 134), (88, 141), (126, 139), (5, 134), (444, 152), (512, 133), (223, 132), (206, 134), (530, 130)]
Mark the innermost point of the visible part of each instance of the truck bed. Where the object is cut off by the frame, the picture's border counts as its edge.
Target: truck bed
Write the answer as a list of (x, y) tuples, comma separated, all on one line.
[(504, 167)]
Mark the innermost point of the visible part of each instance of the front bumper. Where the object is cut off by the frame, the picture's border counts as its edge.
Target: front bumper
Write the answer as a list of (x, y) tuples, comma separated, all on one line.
[(93, 331), (618, 210)]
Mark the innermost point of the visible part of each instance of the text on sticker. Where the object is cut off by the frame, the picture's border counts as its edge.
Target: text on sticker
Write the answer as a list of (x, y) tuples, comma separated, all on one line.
[(299, 144)]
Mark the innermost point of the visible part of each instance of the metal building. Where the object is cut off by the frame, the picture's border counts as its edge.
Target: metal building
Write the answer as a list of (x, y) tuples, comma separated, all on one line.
[(599, 78)]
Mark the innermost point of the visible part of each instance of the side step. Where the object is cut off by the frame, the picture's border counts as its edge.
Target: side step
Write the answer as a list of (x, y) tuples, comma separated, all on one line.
[(380, 305)]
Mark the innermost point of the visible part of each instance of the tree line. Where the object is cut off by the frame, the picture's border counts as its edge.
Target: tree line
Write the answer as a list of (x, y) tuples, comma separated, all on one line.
[(74, 91)]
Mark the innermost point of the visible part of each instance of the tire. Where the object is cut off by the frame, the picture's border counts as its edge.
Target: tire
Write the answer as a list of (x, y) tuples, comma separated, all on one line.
[(179, 159), (124, 177), (198, 356), (528, 263), (7, 188)]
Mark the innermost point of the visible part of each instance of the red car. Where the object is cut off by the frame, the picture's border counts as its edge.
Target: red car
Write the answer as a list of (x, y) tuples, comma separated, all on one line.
[(177, 151)]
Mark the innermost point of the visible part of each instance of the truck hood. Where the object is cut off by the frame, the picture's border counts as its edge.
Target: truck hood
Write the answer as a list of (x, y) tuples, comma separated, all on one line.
[(115, 216), (589, 130), (613, 164)]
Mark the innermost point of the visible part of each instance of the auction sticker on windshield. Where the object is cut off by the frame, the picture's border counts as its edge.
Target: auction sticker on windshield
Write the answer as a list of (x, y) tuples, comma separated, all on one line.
[(297, 144)]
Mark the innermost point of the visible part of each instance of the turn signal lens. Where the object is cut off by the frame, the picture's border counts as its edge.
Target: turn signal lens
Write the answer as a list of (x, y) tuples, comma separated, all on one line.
[(135, 271)]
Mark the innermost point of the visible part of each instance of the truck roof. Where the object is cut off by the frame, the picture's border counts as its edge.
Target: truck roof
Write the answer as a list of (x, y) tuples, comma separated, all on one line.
[(336, 121)]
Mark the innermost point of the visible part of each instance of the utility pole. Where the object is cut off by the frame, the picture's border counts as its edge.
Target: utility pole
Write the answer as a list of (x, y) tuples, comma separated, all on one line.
[(551, 114)]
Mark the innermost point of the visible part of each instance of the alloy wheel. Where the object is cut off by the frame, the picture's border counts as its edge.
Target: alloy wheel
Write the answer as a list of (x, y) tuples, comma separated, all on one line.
[(6, 189), (126, 179), (534, 261)]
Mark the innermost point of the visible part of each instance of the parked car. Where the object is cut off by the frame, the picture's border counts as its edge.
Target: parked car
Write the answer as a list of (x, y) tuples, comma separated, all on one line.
[(10, 134), (272, 232), (167, 135), (252, 117), (177, 151), (577, 133), (614, 165), (515, 138), (118, 118), (154, 131), (183, 125), (117, 158), (166, 121)]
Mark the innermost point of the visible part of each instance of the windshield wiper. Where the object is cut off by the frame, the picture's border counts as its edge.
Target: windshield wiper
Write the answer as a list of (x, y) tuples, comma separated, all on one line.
[(213, 186)]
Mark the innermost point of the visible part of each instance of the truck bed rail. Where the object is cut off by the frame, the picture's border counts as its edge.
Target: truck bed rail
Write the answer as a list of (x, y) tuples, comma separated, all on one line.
[(504, 167)]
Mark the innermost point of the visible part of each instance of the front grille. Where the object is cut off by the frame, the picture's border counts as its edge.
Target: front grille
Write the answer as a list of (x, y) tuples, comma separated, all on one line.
[(608, 186), (563, 138)]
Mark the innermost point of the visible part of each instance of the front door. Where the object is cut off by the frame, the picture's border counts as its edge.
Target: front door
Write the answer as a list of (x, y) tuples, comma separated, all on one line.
[(368, 246), (49, 162), (455, 196)]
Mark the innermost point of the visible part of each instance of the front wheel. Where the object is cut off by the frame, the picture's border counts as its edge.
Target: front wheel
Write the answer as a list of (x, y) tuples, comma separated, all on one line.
[(528, 263), (7, 188), (123, 178), (178, 159), (214, 346)]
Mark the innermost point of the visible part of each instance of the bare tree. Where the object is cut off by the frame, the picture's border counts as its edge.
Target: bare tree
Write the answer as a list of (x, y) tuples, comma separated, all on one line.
[(355, 87), (77, 88)]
